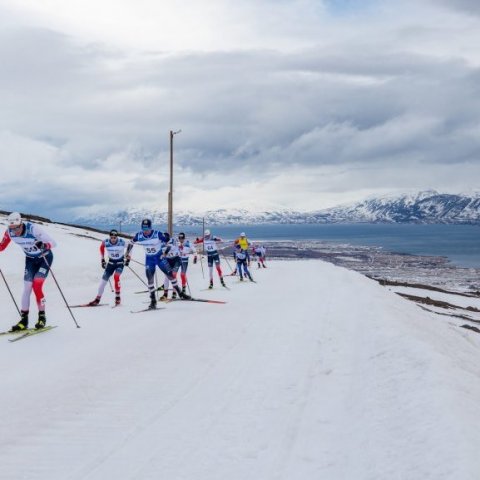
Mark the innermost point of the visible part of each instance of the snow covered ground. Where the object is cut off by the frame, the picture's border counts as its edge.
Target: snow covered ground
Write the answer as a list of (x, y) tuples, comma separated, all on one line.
[(313, 372)]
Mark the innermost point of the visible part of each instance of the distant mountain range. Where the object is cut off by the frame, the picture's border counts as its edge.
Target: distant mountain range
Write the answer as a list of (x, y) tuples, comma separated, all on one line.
[(423, 207)]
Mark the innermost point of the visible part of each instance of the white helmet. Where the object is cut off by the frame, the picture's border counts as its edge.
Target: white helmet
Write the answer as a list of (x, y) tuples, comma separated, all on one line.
[(242, 234), (14, 219), (207, 232)]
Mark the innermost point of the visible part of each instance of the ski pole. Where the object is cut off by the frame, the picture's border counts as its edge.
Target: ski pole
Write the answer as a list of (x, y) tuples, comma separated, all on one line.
[(110, 283), (228, 263), (201, 264), (137, 275), (61, 293), (10, 292)]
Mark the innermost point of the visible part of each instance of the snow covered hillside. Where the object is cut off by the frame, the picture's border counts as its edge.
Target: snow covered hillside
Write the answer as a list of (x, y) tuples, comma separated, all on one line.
[(313, 372)]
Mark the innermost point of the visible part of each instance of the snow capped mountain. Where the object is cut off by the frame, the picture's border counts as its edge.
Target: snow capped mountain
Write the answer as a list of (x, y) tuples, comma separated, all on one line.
[(222, 216), (421, 207)]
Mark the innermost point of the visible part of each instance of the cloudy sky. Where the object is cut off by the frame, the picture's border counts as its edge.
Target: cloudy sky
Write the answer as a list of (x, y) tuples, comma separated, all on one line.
[(303, 104)]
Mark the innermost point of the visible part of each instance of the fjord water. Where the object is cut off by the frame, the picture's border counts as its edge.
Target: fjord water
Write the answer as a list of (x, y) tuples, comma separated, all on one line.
[(459, 243)]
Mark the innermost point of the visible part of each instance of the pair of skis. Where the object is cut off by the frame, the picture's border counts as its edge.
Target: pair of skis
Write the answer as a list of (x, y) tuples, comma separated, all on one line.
[(204, 300), (83, 305), (29, 332)]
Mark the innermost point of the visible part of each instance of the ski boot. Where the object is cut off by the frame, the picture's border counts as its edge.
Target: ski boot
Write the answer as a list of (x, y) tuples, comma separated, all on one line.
[(117, 299), (211, 284), (250, 278), (22, 324), (164, 297), (184, 289), (241, 278), (95, 302), (222, 281), (184, 296), (153, 302), (174, 295), (42, 320)]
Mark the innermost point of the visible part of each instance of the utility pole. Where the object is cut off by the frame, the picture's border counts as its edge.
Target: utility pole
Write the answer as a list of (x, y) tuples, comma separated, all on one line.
[(170, 193)]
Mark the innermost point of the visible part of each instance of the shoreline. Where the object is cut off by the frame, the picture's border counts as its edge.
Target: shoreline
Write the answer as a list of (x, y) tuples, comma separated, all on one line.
[(378, 264)]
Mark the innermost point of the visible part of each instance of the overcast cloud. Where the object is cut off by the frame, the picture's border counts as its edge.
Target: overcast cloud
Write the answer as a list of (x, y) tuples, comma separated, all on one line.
[(300, 103)]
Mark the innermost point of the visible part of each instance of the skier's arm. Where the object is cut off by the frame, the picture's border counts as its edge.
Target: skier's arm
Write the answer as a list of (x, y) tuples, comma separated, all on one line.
[(102, 249), (102, 255), (130, 245), (42, 236), (166, 249), (193, 251), (5, 241)]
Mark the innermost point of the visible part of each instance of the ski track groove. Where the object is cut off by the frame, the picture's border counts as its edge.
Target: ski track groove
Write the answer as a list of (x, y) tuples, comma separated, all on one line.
[(150, 422)]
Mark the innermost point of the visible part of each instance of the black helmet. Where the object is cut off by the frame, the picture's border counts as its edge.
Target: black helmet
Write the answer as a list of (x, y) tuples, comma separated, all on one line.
[(146, 224), (113, 233), (166, 235), (181, 235)]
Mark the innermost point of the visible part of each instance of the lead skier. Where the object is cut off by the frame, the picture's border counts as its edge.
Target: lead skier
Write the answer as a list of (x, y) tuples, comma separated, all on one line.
[(154, 243), (37, 245)]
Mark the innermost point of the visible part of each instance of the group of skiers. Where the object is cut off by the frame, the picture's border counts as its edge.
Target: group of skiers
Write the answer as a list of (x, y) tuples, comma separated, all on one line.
[(170, 255)]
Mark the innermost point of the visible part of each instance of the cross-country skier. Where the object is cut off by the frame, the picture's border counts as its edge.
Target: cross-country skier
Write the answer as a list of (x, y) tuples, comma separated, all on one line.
[(37, 245), (172, 255), (242, 240), (241, 259), (210, 243), (115, 248), (260, 251), (153, 242), (186, 249)]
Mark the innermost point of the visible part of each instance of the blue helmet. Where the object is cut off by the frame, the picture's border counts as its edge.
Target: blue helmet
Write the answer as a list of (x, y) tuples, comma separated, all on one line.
[(146, 224)]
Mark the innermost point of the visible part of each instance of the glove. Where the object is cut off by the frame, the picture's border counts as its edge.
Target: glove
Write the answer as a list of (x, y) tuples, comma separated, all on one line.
[(195, 259), (104, 264), (40, 245), (127, 260)]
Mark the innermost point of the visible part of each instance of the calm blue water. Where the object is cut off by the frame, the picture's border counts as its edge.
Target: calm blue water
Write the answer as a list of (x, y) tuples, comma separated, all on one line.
[(460, 243)]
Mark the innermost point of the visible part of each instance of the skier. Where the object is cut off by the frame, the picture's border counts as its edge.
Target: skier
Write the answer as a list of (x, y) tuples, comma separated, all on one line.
[(241, 259), (186, 249), (153, 242), (260, 251), (115, 248), (37, 245), (210, 243), (172, 256), (242, 240)]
